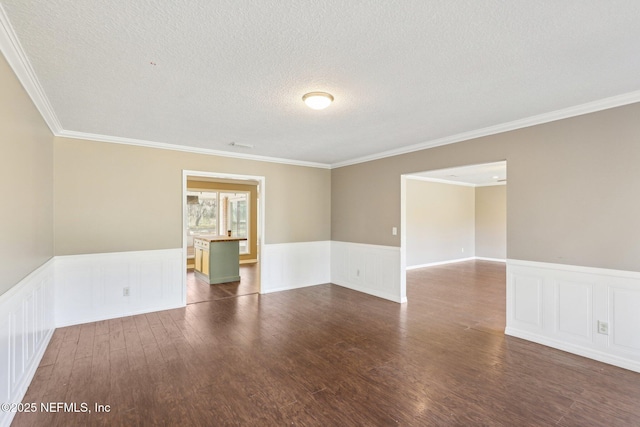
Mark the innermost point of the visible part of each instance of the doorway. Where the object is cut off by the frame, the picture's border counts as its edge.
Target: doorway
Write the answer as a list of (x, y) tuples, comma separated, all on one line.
[(216, 205), (453, 215)]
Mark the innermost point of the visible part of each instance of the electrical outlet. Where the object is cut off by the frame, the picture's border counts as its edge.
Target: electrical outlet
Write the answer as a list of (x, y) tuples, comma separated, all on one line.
[(125, 292), (603, 328), (462, 249), (358, 273)]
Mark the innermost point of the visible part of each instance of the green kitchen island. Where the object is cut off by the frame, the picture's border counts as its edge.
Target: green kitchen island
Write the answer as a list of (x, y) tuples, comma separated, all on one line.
[(217, 258)]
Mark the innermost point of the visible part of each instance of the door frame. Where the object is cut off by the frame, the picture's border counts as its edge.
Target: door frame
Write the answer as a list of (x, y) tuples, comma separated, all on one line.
[(261, 218)]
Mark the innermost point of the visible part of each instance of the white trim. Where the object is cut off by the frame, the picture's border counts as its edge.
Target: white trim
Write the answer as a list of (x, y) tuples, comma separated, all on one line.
[(600, 356), (440, 181), (287, 266), (371, 269), (260, 235), (561, 306), (403, 237), (575, 268), (433, 264), (491, 184), (19, 62), (89, 287), (565, 113), (482, 258), (186, 149), (27, 312)]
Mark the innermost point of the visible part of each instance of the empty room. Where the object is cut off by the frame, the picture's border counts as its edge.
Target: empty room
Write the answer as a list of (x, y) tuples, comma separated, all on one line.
[(263, 213)]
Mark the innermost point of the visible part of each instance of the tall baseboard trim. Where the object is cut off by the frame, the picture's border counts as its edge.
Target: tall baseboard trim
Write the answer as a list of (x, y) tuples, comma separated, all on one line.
[(482, 258), (433, 264), (452, 261), (574, 349)]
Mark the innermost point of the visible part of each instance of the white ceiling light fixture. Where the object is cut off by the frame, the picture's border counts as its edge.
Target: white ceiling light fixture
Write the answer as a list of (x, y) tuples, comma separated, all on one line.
[(317, 100)]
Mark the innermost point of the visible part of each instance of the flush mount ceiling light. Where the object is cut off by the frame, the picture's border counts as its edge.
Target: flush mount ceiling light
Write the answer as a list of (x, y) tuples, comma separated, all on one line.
[(317, 100)]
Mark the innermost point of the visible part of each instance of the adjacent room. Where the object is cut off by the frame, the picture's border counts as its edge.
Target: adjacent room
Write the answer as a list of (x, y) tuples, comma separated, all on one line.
[(274, 213), (224, 212)]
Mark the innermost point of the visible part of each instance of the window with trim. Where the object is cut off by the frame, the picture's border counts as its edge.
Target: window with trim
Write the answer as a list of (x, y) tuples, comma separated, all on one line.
[(218, 212)]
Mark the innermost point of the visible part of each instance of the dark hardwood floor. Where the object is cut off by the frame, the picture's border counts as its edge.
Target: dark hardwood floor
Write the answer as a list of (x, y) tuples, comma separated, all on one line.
[(329, 356), (199, 290)]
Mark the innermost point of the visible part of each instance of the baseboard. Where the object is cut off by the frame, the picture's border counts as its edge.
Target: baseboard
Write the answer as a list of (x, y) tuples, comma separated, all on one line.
[(600, 356), (452, 261), (371, 269), (286, 266), (373, 292), (561, 306), (90, 288), (433, 264), (290, 288), (26, 327), (482, 258)]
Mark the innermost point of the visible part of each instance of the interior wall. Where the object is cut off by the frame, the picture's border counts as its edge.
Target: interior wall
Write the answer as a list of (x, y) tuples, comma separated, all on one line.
[(491, 222), (195, 185), (26, 176), (115, 198), (440, 222), (573, 187)]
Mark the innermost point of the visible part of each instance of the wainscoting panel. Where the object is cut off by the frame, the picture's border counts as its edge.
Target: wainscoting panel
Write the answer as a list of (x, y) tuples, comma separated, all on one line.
[(93, 287), (371, 269), (624, 323), (573, 313), (26, 325), (287, 266), (527, 301), (587, 311)]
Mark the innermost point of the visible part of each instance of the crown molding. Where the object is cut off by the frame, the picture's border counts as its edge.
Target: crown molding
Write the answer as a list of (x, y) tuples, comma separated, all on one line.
[(565, 113), (18, 61), (186, 149)]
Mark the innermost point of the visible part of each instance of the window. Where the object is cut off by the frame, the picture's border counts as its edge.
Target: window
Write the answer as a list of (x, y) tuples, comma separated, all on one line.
[(218, 212)]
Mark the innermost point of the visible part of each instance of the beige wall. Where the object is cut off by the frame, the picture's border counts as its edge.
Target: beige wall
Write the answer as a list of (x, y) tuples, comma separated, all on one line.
[(440, 222), (491, 221), (253, 206), (112, 197), (26, 172), (573, 190)]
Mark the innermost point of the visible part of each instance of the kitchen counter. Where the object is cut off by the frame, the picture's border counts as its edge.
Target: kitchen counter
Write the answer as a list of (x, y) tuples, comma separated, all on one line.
[(217, 258)]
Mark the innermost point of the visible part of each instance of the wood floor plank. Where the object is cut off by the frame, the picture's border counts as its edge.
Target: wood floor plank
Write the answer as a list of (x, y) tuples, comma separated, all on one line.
[(116, 334), (326, 355)]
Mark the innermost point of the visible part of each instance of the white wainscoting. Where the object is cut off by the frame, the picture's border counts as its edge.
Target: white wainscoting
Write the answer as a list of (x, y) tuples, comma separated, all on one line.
[(371, 269), (560, 306), (90, 288), (26, 326), (287, 266)]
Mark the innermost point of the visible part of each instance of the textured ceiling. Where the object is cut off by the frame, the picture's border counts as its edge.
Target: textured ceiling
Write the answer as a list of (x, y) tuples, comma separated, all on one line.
[(205, 73)]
